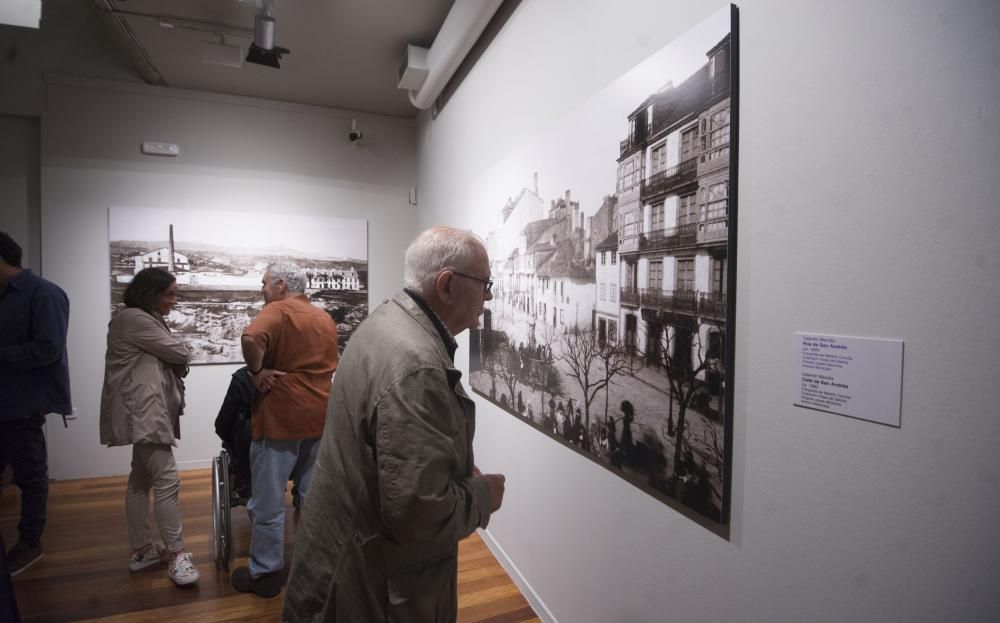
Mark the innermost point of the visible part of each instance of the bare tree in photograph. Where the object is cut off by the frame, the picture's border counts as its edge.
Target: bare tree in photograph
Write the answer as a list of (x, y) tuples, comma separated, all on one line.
[(491, 368), (592, 365), (712, 449), (509, 370), (501, 363), (685, 358), (615, 358), (546, 376)]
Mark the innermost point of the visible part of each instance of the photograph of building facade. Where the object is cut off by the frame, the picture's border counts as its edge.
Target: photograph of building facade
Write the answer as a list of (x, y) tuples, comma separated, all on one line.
[(608, 325), (160, 258), (219, 284)]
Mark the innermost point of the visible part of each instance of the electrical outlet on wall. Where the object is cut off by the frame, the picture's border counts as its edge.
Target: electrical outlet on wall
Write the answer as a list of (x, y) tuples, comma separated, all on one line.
[(156, 148)]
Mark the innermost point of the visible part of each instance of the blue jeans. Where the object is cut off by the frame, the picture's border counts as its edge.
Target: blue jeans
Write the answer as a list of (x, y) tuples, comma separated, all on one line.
[(272, 462)]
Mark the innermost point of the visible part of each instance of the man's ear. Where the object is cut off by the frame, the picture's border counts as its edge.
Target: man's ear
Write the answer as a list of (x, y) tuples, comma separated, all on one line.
[(442, 285)]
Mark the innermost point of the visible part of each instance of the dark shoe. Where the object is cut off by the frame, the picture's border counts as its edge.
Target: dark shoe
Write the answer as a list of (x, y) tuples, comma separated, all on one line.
[(22, 556), (266, 585)]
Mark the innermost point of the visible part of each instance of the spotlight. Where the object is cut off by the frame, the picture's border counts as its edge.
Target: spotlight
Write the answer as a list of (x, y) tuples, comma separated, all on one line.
[(262, 50)]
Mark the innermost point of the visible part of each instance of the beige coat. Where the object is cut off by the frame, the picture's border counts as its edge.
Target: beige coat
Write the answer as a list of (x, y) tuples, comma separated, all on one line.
[(392, 490), (143, 395)]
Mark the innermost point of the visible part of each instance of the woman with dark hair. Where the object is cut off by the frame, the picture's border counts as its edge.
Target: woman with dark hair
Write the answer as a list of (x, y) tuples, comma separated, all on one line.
[(141, 404)]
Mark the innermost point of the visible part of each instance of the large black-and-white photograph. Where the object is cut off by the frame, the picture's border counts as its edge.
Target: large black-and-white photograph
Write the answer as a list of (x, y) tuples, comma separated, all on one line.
[(612, 250), (219, 260)]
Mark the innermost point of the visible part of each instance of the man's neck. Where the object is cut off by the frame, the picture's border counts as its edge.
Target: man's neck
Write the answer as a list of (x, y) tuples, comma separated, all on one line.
[(442, 312), (287, 296)]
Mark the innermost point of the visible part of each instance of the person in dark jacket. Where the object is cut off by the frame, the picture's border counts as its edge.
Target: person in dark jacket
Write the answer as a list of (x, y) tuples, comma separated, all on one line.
[(34, 381), (232, 425)]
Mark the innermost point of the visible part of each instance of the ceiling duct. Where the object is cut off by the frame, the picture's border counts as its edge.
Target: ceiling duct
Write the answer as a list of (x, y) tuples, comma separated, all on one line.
[(465, 22)]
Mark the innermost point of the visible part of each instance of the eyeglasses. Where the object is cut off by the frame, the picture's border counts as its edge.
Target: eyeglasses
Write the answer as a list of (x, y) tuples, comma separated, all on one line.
[(487, 283)]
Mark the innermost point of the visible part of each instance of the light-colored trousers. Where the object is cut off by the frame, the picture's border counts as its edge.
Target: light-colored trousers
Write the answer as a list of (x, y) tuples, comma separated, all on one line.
[(153, 467)]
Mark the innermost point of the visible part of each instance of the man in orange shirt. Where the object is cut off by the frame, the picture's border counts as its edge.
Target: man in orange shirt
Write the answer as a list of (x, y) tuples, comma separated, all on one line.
[(291, 351)]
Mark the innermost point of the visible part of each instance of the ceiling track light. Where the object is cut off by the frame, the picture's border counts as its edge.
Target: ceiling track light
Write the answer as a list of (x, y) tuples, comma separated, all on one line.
[(262, 50)]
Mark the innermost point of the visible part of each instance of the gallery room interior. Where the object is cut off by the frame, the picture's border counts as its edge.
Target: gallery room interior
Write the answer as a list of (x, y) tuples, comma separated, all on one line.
[(869, 145)]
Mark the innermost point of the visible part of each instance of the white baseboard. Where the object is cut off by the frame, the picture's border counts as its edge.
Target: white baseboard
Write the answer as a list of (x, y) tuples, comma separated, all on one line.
[(515, 574)]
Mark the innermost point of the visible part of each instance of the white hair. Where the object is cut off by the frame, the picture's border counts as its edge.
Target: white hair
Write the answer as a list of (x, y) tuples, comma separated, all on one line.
[(293, 276), (438, 248)]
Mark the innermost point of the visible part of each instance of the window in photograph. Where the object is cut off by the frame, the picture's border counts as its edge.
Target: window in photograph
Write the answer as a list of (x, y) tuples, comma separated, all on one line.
[(689, 143), (656, 217), (655, 281), (687, 210), (719, 276), (685, 274), (716, 201), (658, 158)]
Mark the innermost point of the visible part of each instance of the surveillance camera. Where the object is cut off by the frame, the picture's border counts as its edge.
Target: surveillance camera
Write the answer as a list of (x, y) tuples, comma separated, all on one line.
[(355, 134)]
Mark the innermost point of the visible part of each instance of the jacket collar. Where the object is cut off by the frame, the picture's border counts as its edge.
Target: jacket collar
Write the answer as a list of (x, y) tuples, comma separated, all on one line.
[(18, 280), (414, 310), (447, 339)]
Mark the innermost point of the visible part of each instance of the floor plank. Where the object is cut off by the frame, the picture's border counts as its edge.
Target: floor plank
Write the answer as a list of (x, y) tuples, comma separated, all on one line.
[(84, 575)]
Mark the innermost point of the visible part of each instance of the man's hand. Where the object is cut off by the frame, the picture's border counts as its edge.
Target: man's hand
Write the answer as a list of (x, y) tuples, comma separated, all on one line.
[(265, 379), (496, 484)]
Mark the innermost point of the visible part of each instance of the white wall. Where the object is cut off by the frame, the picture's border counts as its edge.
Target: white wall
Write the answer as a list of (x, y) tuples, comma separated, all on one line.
[(868, 159), (237, 154), (19, 172)]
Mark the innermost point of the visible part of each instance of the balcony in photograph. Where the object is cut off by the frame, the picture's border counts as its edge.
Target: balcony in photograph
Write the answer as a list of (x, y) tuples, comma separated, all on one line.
[(714, 230), (628, 145), (669, 238), (677, 301), (629, 239), (629, 244), (630, 297), (670, 178), (712, 305), (713, 159)]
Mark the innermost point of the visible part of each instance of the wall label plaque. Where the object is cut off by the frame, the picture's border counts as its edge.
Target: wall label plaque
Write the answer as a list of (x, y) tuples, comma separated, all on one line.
[(852, 376)]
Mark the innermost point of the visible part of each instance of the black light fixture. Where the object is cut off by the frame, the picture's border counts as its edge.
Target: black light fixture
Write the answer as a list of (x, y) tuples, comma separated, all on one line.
[(262, 50)]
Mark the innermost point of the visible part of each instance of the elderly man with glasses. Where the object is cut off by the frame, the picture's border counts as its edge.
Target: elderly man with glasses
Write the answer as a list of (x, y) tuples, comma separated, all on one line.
[(395, 486)]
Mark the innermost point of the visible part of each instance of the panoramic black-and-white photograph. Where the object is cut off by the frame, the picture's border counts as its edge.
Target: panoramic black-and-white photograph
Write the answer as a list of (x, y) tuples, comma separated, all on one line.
[(612, 255), (219, 260)]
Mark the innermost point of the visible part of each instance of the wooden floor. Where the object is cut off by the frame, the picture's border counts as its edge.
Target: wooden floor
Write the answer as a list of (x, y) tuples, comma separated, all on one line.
[(84, 575)]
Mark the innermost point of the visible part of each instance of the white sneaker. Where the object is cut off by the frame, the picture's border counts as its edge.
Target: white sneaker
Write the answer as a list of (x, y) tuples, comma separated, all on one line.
[(182, 570), (153, 555)]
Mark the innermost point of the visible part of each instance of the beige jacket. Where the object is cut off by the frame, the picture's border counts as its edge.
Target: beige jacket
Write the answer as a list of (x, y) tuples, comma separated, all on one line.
[(392, 491), (143, 395)]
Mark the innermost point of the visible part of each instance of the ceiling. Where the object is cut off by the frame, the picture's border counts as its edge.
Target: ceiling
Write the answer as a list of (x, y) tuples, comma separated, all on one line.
[(344, 53)]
